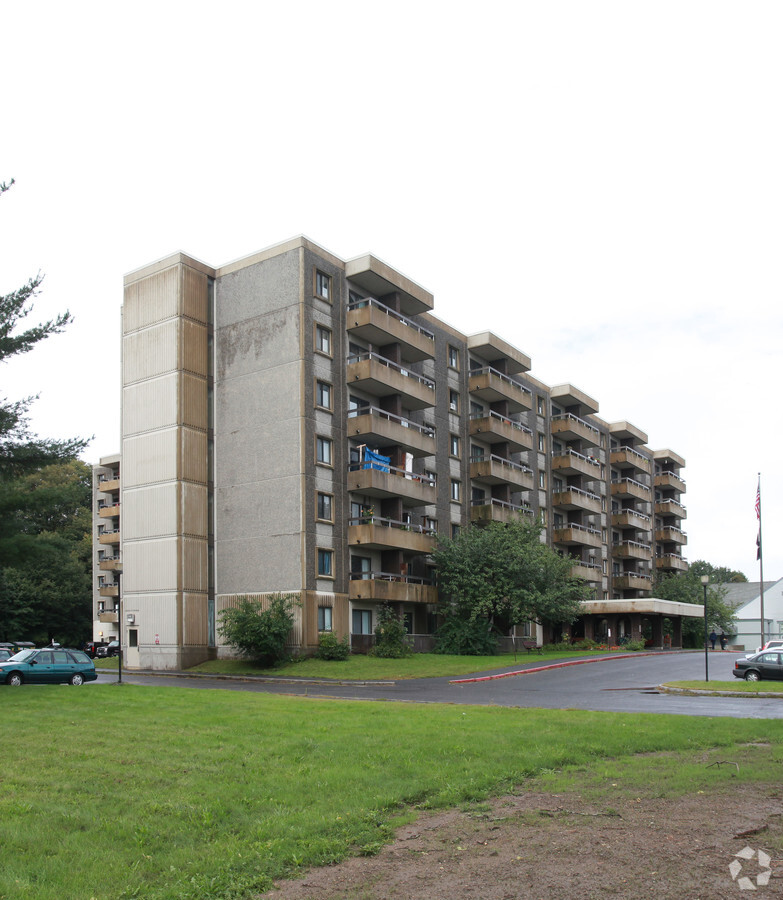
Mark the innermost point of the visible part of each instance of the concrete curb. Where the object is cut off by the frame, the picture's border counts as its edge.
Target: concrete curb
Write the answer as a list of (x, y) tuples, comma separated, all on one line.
[(547, 667)]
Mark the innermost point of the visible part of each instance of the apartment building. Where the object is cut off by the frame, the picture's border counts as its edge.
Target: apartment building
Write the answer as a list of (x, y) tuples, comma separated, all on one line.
[(294, 422), (106, 548)]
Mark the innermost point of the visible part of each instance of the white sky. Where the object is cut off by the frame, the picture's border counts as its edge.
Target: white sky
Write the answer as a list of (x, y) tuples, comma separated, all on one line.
[(599, 183)]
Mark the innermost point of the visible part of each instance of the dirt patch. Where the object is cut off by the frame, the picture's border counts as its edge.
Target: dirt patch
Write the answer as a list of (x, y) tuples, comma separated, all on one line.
[(535, 844)]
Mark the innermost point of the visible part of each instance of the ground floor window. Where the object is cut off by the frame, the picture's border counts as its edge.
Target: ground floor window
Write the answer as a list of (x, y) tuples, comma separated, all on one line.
[(324, 618), (362, 621), (133, 637)]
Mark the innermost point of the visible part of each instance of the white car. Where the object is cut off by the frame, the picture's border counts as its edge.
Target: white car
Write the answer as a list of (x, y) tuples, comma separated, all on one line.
[(770, 645)]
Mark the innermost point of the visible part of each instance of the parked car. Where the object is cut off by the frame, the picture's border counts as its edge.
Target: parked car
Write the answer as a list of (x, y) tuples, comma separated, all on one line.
[(48, 666), (5, 654), (770, 645), (110, 649), (760, 666), (91, 648)]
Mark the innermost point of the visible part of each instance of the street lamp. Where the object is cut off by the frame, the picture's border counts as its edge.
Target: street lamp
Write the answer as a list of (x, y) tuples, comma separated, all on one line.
[(705, 580)]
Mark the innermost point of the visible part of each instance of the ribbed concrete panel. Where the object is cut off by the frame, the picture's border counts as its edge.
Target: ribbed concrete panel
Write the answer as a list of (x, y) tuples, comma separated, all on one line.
[(156, 614), (194, 619), (230, 601), (194, 401), (149, 353), (149, 458), (150, 301), (194, 564), (194, 295), (194, 510), (148, 405), (194, 455), (194, 348), (150, 511), (150, 565)]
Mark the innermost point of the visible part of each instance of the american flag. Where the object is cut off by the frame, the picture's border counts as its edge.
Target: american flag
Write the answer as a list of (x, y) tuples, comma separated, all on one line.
[(758, 502)]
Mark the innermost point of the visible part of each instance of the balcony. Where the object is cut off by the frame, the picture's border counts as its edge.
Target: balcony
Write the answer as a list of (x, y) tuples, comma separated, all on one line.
[(495, 429), (376, 533), (628, 458), (108, 485), (576, 498), (107, 512), (380, 377), (497, 470), (379, 427), (631, 518), (492, 386), (109, 563), (671, 535), (571, 428), (671, 562), (415, 490), (670, 508), (109, 537), (109, 590), (569, 462), (379, 325), (632, 550), (383, 587), (587, 571), (627, 487), (632, 581), (482, 512), (575, 534), (670, 480), (108, 617)]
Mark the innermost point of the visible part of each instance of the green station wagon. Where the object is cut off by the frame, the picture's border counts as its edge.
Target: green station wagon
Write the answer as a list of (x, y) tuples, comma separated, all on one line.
[(48, 666)]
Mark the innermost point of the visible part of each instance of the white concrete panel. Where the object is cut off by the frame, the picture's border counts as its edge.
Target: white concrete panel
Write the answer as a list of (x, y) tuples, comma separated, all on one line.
[(149, 458), (150, 511), (151, 300), (150, 565), (151, 352), (148, 405)]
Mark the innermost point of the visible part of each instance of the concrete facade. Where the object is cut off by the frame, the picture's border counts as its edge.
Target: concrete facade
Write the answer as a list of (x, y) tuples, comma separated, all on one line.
[(253, 396)]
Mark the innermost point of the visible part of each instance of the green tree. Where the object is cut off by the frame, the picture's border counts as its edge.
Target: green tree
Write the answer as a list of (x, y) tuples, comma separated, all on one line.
[(20, 450), (259, 633), (686, 587), (718, 574), (46, 553), (390, 634), (504, 573)]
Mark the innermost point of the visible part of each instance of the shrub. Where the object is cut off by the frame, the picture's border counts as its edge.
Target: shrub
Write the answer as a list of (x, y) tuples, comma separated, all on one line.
[(259, 633), (390, 635), (465, 637), (329, 647)]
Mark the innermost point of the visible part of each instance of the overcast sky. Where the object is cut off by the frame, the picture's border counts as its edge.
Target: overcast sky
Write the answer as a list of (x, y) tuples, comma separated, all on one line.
[(599, 183)]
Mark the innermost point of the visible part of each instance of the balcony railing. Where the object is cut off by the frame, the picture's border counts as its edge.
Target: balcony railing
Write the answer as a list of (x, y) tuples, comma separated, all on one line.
[(493, 510), (492, 386), (392, 523), (389, 587), (360, 357), (397, 316), (504, 419), (565, 421), (379, 324), (426, 430)]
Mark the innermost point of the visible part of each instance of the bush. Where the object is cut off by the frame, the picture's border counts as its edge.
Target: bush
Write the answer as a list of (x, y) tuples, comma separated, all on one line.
[(329, 647), (465, 637), (259, 633), (390, 635)]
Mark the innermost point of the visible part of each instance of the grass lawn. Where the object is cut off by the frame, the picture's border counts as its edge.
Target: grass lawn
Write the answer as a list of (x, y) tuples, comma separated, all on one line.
[(359, 667), (736, 684), (118, 791)]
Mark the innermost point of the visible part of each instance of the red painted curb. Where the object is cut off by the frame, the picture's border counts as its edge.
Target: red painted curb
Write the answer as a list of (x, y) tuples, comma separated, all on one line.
[(559, 665)]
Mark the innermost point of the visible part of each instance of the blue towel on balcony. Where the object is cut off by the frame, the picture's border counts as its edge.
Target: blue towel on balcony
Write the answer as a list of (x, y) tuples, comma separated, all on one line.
[(374, 460)]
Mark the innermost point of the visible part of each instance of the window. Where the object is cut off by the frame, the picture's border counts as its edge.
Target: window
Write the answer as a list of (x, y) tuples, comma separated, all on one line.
[(324, 618), (455, 489), (431, 476), (431, 524), (542, 479), (133, 637), (323, 285), (454, 445), (323, 451), (323, 340), (361, 621), (324, 510), (454, 530), (325, 563), (453, 357), (454, 401), (541, 442), (323, 394), (476, 409)]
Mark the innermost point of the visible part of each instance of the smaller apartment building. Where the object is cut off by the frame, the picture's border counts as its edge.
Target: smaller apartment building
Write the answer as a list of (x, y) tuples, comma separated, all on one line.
[(293, 422), (106, 548)]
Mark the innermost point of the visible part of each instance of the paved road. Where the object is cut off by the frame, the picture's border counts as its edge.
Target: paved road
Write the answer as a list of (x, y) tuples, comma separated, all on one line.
[(610, 684)]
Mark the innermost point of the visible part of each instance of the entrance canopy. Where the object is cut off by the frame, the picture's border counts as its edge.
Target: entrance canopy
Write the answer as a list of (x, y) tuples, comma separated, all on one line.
[(648, 606)]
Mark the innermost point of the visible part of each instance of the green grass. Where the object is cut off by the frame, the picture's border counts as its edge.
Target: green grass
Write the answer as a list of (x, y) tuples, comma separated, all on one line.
[(119, 792), (359, 667), (736, 685)]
